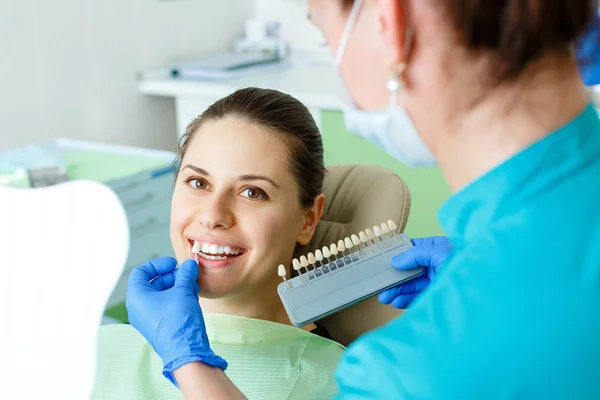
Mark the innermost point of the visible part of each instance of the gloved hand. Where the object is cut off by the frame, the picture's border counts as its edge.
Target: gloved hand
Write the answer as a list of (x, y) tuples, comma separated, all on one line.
[(163, 306), (429, 253), (587, 51)]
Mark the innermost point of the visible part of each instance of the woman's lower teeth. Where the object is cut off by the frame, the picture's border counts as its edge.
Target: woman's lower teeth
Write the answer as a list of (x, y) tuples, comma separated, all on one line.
[(213, 257)]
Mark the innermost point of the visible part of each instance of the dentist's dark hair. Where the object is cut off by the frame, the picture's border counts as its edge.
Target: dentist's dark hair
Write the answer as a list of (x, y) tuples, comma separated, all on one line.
[(282, 115), (515, 32)]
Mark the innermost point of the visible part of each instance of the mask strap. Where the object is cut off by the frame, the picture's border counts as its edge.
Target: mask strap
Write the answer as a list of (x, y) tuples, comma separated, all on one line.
[(347, 31)]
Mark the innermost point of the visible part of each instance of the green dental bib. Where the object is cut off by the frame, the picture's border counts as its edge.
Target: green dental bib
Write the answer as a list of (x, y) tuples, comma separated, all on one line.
[(266, 360)]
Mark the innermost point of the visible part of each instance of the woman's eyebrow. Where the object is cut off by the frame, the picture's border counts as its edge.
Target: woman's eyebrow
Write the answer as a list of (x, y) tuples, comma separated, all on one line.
[(197, 169), (243, 178), (247, 178)]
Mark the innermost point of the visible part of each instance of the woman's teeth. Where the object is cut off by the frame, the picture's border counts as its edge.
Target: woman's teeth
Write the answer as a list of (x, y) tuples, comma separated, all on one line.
[(214, 252)]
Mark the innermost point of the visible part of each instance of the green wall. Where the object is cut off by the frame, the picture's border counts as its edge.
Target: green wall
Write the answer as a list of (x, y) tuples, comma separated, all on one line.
[(427, 186)]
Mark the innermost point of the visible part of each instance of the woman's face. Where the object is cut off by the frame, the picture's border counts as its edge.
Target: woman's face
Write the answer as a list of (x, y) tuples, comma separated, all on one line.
[(237, 198)]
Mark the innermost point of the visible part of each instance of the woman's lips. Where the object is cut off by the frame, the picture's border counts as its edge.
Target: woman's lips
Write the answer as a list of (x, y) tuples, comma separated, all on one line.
[(216, 263)]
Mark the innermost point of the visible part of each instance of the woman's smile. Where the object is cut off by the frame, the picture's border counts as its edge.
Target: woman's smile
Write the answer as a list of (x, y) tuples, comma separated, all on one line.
[(216, 254)]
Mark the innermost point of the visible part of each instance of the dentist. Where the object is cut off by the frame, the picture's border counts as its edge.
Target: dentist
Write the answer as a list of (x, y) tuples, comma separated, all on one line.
[(491, 92)]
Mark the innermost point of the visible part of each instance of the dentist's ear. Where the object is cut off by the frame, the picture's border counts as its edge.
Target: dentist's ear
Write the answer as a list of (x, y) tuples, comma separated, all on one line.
[(393, 24), (311, 219)]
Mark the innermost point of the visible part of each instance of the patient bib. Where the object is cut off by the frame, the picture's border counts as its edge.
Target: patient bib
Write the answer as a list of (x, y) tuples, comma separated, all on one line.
[(266, 360)]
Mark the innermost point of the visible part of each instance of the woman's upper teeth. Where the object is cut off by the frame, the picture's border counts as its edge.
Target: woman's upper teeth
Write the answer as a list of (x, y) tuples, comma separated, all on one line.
[(211, 248)]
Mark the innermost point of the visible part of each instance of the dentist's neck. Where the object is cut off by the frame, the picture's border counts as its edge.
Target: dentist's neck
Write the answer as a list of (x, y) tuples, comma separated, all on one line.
[(475, 139)]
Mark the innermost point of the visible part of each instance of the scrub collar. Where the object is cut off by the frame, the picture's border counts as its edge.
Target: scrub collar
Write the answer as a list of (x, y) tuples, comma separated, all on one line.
[(471, 211)]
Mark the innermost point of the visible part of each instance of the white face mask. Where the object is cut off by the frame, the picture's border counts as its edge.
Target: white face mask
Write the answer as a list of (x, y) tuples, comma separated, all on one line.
[(391, 129)]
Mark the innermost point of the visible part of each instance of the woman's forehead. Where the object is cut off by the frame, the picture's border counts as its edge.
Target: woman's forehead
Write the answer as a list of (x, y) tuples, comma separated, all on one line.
[(231, 146)]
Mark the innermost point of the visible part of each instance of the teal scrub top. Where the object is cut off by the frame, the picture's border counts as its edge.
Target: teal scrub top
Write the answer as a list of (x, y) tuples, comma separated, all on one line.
[(515, 311)]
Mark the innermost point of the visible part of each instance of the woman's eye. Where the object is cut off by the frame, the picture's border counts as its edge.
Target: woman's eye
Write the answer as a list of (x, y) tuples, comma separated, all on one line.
[(197, 183), (254, 193)]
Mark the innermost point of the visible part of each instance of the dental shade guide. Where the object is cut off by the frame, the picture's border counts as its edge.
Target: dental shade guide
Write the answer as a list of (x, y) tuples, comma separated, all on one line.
[(358, 267)]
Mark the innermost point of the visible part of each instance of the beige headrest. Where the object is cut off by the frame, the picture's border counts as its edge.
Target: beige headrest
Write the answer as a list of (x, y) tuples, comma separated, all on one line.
[(359, 197)]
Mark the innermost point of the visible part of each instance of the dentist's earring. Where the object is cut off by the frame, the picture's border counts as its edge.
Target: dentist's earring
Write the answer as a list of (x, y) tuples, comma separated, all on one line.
[(396, 80)]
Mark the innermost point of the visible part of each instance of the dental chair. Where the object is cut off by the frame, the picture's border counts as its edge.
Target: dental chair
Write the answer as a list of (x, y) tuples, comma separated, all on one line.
[(358, 197), (62, 250)]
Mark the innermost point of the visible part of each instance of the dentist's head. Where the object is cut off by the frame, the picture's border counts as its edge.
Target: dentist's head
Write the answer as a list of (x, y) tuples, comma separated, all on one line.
[(449, 81)]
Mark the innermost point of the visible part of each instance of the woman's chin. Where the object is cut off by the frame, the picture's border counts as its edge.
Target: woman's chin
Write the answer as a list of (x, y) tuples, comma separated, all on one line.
[(213, 290)]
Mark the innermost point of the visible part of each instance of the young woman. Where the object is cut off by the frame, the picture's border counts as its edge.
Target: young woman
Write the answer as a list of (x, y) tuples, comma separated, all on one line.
[(248, 190)]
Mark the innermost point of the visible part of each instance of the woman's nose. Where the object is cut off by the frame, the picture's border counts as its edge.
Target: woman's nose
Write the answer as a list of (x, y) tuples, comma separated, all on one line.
[(216, 213)]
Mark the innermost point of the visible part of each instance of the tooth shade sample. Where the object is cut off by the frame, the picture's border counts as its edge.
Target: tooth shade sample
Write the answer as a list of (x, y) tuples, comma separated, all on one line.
[(392, 225), (318, 255), (377, 230), (384, 228), (348, 243), (281, 271), (303, 261), (333, 249)]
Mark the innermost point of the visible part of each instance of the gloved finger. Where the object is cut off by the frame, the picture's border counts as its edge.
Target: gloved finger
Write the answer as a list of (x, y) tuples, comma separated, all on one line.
[(415, 257), (421, 256), (402, 302), (151, 270), (414, 286), (431, 241), (187, 275), (387, 296), (164, 282)]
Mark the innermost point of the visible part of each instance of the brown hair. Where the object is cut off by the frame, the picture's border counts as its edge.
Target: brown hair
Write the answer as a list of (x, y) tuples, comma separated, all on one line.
[(282, 114), (516, 32)]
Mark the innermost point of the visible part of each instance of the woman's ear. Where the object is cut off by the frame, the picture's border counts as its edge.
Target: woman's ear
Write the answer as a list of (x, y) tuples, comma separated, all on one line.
[(311, 218)]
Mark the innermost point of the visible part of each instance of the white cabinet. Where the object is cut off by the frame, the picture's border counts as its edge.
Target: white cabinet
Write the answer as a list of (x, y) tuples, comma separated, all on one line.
[(316, 84)]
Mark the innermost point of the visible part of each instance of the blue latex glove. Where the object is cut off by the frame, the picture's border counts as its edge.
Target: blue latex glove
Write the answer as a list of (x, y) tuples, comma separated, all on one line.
[(588, 53), (163, 306), (429, 253)]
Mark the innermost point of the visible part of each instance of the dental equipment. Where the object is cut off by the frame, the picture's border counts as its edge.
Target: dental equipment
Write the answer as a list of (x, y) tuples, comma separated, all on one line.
[(349, 278)]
